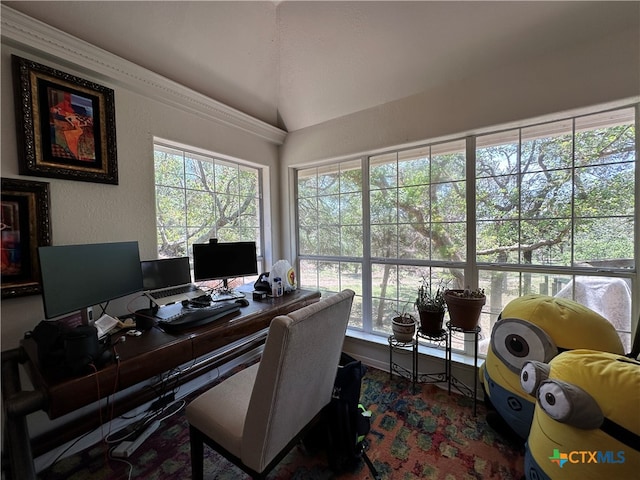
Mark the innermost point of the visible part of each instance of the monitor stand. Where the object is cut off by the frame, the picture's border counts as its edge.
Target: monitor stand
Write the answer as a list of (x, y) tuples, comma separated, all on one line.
[(225, 293)]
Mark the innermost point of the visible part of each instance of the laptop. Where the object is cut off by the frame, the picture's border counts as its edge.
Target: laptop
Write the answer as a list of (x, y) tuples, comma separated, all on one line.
[(168, 280)]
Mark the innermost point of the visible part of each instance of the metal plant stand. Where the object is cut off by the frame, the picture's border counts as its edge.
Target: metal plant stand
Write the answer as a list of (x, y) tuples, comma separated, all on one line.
[(411, 347), (453, 381), (441, 339)]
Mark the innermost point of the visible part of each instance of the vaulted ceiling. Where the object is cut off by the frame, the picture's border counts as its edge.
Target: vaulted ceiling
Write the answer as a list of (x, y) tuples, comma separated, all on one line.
[(294, 64)]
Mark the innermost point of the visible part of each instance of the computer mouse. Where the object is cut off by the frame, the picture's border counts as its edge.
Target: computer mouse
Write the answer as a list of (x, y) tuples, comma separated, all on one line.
[(243, 302)]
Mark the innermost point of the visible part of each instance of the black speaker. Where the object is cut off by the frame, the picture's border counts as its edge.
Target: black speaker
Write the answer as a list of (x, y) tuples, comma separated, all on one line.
[(81, 348)]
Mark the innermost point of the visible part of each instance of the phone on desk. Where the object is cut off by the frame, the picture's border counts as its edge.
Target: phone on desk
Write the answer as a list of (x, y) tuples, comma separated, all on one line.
[(105, 324)]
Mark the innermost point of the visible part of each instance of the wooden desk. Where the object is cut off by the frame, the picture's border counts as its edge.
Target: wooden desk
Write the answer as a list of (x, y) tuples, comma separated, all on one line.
[(140, 358)]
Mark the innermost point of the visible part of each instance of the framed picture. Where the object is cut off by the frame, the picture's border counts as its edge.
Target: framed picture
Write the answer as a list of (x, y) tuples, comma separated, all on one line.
[(66, 125), (24, 226)]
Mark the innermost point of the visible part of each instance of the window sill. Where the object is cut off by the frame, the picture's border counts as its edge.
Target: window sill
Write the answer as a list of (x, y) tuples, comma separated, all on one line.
[(379, 339)]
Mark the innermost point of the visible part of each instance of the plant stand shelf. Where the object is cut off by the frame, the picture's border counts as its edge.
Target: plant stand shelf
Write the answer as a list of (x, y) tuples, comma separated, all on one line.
[(399, 348), (452, 380), (440, 339)]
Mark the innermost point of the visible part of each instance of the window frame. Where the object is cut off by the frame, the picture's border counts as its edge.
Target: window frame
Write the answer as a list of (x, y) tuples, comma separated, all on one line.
[(216, 159), (472, 268)]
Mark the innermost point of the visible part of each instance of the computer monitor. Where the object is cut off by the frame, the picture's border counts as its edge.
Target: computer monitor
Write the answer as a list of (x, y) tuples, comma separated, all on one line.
[(75, 277), (222, 261), (165, 272)]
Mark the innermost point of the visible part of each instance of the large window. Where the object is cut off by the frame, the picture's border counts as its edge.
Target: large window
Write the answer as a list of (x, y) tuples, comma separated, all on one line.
[(549, 208), (555, 208), (200, 197)]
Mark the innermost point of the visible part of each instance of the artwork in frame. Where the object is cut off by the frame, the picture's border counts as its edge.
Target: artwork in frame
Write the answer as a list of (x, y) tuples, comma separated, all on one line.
[(25, 225), (66, 125)]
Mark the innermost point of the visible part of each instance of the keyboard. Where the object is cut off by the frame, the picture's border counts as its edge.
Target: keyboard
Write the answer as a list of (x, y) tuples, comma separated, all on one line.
[(199, 316)]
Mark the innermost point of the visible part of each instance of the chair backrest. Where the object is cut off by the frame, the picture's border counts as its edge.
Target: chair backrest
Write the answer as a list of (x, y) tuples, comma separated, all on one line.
[(295, 377)]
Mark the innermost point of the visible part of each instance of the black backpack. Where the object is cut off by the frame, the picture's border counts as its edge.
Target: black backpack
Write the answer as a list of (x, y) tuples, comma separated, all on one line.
[(348, 422)]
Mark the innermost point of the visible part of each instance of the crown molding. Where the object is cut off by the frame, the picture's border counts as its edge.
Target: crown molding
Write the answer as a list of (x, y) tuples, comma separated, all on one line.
[(23, 31)]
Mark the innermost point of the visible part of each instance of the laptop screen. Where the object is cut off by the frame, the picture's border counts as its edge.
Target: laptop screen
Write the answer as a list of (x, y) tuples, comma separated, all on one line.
[(165, 272)]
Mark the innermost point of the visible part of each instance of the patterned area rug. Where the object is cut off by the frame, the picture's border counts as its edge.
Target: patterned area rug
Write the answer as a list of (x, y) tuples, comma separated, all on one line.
[(428, 434)]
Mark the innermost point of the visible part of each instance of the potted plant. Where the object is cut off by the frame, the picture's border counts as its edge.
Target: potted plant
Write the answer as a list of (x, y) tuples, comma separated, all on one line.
[(403, 326), (431, 307), (465, 307)]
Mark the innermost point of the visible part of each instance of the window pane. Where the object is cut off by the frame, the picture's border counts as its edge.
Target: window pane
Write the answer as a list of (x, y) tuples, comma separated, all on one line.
[(606, 190), (226, 178), (351, 208), (170, 206), (607, 137), (490, 235), (413, 241), (546, 242), (449, 241), (198, 172), (351, 176), (328, 277), (383, 171), (546, 194), (308, 239), (351, 241), (308, 211), (307, 182), (448, 161), (328, 180), (308, 274), (329, 210), (604, 241), (169, 167), (547, 147), (199, 209), (384, 206), (384, 241), (610, 297), (414, 167), (497, 197), (497, 154), (449, 202), (329, 241)]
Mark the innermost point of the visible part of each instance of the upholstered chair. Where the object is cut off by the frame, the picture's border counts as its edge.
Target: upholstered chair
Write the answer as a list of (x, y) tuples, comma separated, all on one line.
[(256, 416)]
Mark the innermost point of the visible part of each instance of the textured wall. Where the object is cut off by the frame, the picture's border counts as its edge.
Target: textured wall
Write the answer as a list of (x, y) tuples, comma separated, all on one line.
[(83, 212)]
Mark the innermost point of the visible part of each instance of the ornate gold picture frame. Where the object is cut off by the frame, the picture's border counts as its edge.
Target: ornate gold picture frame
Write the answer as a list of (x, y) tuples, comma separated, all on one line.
[(25, 225), (66, 125)]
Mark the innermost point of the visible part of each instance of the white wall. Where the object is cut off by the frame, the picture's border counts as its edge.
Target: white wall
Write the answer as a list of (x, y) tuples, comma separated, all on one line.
[(604, 70), (83, 212)]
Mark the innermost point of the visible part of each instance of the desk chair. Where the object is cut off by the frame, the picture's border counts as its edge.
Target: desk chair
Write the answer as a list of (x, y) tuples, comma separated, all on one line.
[(256, 416)]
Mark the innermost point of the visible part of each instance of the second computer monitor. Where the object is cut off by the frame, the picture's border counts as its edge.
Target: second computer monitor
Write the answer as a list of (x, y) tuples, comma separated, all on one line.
[(221, 261)]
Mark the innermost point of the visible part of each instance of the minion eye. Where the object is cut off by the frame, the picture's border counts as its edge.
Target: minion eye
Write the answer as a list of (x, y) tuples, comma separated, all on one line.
[(568, 403), (515, 341), (532, 375)]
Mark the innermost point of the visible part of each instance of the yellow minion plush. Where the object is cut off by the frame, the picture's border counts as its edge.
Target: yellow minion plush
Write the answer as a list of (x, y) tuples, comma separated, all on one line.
[(536, 327), (586, 422)]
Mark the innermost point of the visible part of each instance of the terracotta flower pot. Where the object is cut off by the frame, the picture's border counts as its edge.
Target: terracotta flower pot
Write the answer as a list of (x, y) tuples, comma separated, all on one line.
[(431, 322), (403, 328), (464, 312)]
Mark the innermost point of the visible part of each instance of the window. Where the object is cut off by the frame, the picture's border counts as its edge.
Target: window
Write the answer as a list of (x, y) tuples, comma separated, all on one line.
[(329, 217), (549, 208), (555, 208), (201, 196)]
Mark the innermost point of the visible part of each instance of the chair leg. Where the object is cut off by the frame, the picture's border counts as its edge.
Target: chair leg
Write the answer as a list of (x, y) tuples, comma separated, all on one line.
[(197, 454)]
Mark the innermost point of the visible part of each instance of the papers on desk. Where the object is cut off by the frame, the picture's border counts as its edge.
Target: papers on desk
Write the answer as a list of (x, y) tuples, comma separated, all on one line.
[(105, 324)]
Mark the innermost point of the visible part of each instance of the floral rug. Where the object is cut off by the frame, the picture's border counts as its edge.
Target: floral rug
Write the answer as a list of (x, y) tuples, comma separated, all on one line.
[(428, 434)]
